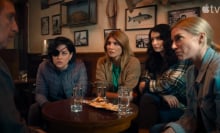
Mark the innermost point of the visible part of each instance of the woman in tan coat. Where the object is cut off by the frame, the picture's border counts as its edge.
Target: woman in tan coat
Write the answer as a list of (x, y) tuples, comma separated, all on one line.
[(118, 66)]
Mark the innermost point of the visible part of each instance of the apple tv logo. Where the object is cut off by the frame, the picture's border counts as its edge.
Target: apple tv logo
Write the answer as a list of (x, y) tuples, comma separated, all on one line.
[(205, 8), (210, 9)]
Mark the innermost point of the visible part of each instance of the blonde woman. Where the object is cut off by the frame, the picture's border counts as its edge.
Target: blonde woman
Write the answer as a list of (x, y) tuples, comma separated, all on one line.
[(192, 39), (118, 66)]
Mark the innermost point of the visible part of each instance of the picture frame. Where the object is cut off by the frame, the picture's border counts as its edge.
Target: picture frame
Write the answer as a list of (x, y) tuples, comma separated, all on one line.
[(176, 15), (107, 31), (79, 13), (141, 18), (53, 2), (81, 38), (44, 4), (56, 24), (45, 25), (142, 40)]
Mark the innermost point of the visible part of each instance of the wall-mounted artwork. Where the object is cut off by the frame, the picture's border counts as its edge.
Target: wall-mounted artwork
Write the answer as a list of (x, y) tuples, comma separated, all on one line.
[(176, 15), (107, 31), (56, 22), (142, 40), (81, 38), (44, 4), (52, 2), (141, 18), (45, 25), (77, 13)]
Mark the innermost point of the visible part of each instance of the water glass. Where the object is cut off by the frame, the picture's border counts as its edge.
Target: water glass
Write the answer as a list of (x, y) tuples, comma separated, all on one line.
[(101, 87), (77, 99), (123, 100)]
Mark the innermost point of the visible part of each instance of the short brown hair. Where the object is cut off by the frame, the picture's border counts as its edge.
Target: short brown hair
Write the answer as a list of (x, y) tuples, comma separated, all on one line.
[(2, 3)]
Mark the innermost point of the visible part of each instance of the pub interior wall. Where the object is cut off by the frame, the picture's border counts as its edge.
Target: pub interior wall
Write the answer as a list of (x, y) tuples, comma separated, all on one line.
[(96, 32)]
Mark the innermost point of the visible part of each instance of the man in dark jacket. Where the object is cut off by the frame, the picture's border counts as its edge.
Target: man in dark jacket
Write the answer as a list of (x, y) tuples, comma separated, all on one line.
[(10, 120)]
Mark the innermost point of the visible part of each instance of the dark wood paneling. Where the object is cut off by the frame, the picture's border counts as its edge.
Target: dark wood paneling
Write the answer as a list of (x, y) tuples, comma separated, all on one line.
[(90, 60), (33, 62), (11, 58), (142, 57)]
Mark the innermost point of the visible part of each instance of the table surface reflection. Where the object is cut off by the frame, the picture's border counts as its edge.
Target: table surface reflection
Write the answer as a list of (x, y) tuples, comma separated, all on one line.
[(92, 120)]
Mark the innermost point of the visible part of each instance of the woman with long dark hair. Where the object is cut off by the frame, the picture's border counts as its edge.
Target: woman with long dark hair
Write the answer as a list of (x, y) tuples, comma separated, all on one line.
[(162, 84)]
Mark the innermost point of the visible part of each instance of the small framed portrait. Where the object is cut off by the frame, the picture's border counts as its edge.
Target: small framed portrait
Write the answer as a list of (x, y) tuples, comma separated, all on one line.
[(107, 31), (81, 38), (45, 25), (141, 18), (176, 15), (52, 2), (44, 4), (56, 22), (142, 40)]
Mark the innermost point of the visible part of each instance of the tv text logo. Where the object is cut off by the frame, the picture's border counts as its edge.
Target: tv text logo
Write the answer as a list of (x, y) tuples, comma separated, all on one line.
[(210, 9)]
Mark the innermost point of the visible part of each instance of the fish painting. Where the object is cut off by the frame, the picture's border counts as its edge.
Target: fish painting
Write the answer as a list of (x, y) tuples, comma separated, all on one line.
[(139, 18)]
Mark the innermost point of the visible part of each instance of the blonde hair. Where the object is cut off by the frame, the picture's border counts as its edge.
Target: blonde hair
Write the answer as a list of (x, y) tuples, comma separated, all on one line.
[(195, 26), (123, 41)]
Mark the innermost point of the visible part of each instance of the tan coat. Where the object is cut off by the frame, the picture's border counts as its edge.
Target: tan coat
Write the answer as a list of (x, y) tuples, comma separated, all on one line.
[(129, 75)]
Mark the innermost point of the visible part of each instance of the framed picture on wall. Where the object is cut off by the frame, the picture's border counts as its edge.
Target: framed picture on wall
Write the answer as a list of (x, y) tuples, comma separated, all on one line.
[(142, 40), (176, 15), (141, 18), (107, 31), (52, 2), (81, 38), (45, 25), (44, 4), (56, 22)]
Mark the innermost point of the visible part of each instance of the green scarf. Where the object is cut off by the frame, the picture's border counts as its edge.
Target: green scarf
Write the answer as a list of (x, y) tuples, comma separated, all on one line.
[(115, 75)]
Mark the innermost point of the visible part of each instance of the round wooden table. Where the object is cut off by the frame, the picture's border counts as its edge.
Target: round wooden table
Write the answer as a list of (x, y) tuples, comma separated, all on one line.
[(60, 119)]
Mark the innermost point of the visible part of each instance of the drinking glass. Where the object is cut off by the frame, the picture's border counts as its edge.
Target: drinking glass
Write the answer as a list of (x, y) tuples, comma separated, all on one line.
[(123, 100), (77, 99), (101, 87)]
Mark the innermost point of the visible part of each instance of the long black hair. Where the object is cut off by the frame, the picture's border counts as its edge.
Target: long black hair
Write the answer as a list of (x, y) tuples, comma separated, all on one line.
[(155, 63)]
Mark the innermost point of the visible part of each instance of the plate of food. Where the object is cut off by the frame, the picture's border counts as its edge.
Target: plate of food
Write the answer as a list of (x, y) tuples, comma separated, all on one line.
[(101, 103)]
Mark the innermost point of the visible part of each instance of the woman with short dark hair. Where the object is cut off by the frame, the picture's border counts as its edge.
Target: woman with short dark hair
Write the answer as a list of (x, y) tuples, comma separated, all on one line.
[(57, 76)]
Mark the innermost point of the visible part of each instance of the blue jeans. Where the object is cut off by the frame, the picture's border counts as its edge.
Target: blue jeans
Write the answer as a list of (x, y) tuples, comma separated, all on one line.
[(158, 128), (153, 110), (170, 115)]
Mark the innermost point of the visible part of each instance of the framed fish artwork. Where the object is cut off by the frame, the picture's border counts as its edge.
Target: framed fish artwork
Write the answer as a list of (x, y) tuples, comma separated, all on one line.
[(141, 18)]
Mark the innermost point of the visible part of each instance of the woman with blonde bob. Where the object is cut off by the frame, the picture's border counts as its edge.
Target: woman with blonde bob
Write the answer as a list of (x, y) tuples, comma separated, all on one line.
[(118, 66), (192, 39)]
